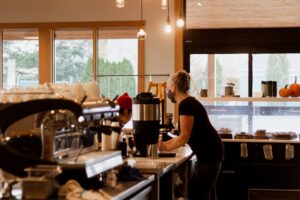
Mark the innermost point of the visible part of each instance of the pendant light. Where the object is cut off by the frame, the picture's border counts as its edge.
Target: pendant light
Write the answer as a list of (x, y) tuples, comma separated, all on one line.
[(141, 35), (180, 21), (168, 27), (120, 3), (164, 4)]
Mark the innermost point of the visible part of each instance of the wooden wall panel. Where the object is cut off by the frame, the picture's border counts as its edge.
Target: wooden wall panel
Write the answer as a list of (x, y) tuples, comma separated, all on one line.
[(243, 13)]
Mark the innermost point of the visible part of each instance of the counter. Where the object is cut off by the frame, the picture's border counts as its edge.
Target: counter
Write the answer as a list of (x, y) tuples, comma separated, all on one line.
[(296, 140), (124, 190), (162, 165), (164, 169), (259, 167), (159, 177)]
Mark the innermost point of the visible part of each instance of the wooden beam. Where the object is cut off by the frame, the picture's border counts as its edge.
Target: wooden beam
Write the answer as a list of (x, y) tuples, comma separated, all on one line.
[(58, 25), (45, 55), (178, 38), (178, 46), (141, 65)]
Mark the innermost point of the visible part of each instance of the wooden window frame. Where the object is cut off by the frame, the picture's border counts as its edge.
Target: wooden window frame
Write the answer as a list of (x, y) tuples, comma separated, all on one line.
[(1, 59), (46, 39)]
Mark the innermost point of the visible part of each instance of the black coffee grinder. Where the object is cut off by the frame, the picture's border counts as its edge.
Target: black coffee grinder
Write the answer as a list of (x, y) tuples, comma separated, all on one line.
[(146, 122)]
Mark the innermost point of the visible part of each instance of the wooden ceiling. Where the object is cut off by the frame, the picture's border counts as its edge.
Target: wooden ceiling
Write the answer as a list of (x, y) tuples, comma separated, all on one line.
[(242, 14)]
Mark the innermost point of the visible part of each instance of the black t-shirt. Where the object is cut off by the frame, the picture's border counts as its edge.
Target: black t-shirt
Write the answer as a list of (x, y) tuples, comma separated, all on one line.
[(204, 140)]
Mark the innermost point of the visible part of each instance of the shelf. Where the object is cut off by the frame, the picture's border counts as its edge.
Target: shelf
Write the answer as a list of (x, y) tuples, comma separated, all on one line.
[(250, 99)]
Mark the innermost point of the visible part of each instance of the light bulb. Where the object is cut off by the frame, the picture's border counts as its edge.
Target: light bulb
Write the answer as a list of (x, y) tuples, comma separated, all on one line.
[(120, 3), (199, 3), (164, 4), (141, 35), (180, 22), (168, 28)]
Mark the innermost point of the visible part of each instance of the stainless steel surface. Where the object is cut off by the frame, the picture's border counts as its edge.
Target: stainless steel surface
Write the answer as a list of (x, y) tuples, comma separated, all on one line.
[(40, 183), (37, 187), (144, 194), (94, 163), (154, 167), (59, 132), (153, 151), (123, 190), (43, 170), (145, 112)]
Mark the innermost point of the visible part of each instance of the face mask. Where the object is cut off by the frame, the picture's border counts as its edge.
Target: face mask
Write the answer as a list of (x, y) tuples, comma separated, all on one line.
[(171, 95)]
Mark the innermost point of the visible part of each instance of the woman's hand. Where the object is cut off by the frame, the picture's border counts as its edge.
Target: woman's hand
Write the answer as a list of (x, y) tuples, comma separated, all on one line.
[(160, 146)]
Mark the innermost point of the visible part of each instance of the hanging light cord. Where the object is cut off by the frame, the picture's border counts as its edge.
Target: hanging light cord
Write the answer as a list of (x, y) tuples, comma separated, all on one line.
[(181, 9), (142, 11), (168, 10)]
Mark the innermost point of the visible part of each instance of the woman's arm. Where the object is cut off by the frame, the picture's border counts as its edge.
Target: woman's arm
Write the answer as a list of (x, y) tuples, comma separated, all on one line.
[(186, 126)]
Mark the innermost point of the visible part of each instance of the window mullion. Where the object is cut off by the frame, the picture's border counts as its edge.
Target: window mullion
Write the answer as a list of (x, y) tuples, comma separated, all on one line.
[(95, 53), (211, 75), (1, 59), (250, 74)]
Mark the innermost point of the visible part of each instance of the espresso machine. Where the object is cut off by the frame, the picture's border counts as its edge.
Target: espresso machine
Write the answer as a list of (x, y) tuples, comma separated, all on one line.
[(43, 135), (146, 123)]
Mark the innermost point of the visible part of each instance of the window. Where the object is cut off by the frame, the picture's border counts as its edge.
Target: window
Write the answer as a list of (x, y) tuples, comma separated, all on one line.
[(198, 72), (75, 52), (117, 61), (73, 56), (231, 68), (20, 58), (282, 68), (223, 69)]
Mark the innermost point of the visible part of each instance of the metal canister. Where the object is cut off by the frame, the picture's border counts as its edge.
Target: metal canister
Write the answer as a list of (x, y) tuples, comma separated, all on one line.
[(263, 88), (274, 88), (269, 89), (146, 120)]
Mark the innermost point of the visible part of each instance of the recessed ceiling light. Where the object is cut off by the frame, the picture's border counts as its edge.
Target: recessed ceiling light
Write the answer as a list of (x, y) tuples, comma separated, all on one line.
[(199, 3)]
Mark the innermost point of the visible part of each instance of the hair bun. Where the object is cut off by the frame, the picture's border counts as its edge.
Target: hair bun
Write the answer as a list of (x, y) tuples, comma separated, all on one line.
[(183, 75)]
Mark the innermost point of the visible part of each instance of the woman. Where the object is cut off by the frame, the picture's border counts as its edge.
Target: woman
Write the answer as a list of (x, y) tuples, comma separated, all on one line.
[(198, 132)]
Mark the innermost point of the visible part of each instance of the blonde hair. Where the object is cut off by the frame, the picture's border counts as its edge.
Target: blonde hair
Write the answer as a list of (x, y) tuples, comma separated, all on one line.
[(181, 80)]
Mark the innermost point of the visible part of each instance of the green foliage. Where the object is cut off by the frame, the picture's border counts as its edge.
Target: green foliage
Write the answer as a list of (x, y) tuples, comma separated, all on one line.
[(24, 55), (87, 71), (278, 69), (74, 63), (116, 85), (71, 61), (24, 59)]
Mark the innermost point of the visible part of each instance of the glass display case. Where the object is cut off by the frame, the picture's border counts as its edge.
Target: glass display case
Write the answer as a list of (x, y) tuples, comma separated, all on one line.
[(257, 167), (250, 114)]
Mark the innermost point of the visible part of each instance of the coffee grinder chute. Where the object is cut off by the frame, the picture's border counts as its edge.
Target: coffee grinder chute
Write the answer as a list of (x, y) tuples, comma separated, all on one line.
[(146, 121)]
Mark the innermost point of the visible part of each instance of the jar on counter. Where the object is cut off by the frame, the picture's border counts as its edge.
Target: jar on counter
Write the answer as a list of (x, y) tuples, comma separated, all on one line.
[(269, 88), (264, 88), (274, 89)]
